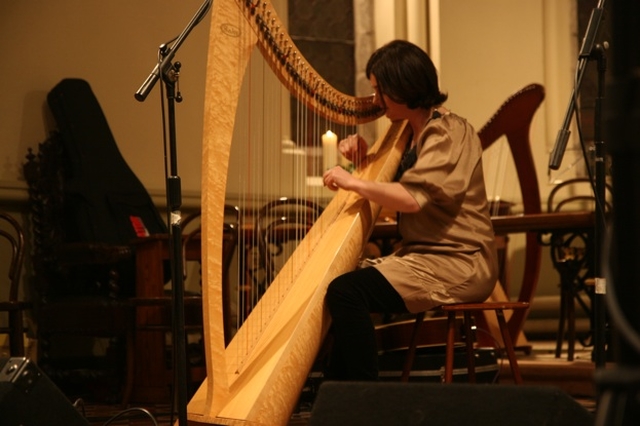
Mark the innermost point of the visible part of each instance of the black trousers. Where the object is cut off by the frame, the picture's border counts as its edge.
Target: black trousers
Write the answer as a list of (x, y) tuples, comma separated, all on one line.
[(351, 299)]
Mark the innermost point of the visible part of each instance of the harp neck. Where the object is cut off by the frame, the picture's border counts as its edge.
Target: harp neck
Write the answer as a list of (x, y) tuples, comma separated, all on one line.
[(295, 72)]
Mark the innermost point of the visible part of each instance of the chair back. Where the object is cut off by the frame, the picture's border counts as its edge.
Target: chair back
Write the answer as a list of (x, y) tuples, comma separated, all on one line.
[(13, 233), (575, 195), (280, 225), (62, 265), (230, 235), (14, 327), (573, 251)]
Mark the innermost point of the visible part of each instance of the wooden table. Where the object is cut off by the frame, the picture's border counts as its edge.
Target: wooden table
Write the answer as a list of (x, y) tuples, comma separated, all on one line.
[(502, 225)]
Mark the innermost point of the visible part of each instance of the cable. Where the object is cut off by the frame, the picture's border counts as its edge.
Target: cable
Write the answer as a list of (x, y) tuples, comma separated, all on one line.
[(131, 410), (498, 349)]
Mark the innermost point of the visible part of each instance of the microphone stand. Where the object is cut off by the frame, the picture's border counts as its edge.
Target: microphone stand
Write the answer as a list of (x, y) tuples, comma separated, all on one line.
[(170, 74), (587, 52), (599, 311)]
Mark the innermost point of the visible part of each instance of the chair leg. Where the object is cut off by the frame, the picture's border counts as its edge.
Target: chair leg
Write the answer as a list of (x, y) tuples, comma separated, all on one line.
[(130, 360), (561, 321), (411, 350), (16, 335), (451, 338), (508, 346), (571, 325), (471, 359)]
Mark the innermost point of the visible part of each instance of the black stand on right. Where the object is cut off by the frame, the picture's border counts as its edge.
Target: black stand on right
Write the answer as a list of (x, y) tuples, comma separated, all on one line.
[(619, 387), (588, 52)]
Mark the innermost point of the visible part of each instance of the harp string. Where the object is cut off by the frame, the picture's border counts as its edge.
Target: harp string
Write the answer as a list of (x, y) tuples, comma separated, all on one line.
[(502, 183), (495, 160), (264, 152)]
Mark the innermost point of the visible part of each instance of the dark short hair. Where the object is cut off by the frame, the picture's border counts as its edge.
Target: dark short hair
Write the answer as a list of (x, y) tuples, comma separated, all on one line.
[(405, 73)]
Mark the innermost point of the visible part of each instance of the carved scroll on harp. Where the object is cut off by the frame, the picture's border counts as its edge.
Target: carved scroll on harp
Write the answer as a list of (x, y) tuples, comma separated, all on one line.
[(257, 378)]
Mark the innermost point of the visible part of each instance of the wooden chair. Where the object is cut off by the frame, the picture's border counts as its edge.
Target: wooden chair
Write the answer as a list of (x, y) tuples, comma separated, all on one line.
[(573, 256), (280, 225), (78, 288), (230, 237), (513, 120), (14, 306)]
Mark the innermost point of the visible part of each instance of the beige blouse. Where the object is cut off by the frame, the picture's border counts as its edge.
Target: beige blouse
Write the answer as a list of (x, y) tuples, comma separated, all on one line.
[(448, 249)]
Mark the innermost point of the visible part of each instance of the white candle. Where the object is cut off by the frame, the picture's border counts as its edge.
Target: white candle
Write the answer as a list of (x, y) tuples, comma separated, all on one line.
[(329, 150)]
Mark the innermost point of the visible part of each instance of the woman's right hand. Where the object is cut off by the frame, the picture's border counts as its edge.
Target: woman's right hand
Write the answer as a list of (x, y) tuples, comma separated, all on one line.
[(353, 148)]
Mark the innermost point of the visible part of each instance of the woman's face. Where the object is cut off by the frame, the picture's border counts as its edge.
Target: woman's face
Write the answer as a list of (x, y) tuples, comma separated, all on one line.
[(393, 110)]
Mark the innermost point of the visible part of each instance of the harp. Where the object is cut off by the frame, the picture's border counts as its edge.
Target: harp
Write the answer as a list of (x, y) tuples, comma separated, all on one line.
[(257, 377)]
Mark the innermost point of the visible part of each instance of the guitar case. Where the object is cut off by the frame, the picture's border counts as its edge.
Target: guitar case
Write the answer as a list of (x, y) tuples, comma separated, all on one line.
[(104, 201)]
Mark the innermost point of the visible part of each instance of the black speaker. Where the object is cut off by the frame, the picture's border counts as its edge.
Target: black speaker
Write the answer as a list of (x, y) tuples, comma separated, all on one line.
[(29, 398), (389, 404)]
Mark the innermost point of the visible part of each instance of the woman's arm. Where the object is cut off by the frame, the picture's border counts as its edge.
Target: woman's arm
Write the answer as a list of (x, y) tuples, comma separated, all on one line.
[(390, 195)]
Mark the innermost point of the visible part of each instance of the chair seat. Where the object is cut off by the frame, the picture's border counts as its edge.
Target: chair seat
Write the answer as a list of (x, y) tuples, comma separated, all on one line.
[(15, 305), (483, 306), (86, 314)]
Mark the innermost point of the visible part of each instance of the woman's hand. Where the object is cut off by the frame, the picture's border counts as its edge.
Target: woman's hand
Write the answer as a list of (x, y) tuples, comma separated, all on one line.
[(336, 178), (390, 195), (354, 148)]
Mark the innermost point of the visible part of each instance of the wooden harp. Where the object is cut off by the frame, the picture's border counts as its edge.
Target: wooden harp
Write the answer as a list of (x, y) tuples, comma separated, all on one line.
[(258, 376)]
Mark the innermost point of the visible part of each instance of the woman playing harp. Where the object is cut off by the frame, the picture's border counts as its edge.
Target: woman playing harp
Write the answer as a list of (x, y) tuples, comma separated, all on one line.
[(448, 252)]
